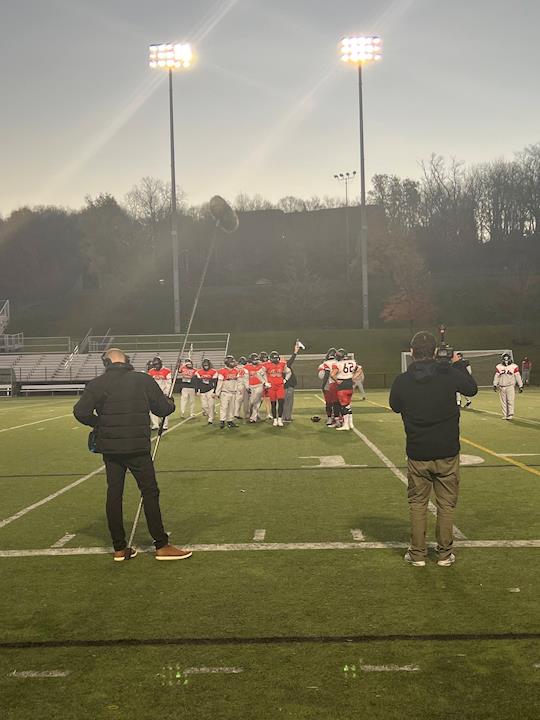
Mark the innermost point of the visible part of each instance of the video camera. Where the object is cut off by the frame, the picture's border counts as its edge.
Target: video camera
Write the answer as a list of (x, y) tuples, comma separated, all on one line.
[(445, 352)]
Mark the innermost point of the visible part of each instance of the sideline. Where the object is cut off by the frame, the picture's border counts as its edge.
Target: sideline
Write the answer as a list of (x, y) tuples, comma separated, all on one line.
[(65, 489), (394, 469), (258, 546)]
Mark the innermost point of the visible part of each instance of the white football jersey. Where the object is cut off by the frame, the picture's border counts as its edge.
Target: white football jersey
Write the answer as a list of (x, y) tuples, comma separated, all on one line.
[(345, 369), (324, 367)]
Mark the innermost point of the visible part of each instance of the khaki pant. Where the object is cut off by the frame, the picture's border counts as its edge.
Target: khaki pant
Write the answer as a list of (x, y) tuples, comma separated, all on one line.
[(187, 402), (227, 402), (507, 396), (208, 402), (441, 476), (255, 399)]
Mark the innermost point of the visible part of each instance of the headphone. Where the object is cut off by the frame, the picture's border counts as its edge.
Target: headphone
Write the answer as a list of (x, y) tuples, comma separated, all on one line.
[(107, 362)]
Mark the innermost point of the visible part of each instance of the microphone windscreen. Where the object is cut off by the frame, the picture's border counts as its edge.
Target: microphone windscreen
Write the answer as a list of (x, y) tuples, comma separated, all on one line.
[(223, 214)]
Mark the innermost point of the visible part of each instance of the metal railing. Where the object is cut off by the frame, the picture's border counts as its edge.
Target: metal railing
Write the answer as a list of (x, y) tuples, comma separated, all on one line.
[(60, 344), (4, 316), (161, 343)]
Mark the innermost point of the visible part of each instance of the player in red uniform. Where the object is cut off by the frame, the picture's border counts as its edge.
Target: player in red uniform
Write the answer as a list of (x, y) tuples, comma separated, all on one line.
[(162, 375), (257, 379), (275, 382)]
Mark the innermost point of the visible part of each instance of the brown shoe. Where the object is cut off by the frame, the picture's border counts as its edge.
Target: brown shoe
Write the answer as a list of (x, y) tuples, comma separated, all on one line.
[(170, 552), (125, 554)]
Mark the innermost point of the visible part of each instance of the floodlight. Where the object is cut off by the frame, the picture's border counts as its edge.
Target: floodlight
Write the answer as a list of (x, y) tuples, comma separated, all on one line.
[(362, 49), (179, 55)]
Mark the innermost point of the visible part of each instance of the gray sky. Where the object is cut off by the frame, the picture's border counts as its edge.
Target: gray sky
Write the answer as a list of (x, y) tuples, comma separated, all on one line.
[(268, 108)]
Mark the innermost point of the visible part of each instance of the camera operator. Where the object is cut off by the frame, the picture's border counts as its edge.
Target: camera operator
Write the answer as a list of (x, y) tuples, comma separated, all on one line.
[(117, 405), (425, 395)]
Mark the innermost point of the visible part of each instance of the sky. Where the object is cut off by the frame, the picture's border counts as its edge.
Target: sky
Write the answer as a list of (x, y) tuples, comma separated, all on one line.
[(268, 107)]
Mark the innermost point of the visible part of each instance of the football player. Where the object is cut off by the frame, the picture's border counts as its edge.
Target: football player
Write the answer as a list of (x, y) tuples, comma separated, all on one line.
[(345, 372), (275, 382), (206, 378), (227, 383), (186, 375), (506, 378), (329, 388), (257, 379), (241, 408), (162, 375)]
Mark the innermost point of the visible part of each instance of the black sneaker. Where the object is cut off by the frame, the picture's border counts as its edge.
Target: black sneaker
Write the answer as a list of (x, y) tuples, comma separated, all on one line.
[(231, 424), (221, 425)]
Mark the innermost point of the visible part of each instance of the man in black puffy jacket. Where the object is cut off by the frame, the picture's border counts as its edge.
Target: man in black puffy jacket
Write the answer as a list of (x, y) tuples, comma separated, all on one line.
[(117, 405), (425, 396)]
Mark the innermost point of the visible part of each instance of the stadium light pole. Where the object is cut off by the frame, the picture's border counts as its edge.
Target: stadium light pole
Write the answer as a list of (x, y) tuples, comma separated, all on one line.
[(346, 178), (168, 56), (360, 51)]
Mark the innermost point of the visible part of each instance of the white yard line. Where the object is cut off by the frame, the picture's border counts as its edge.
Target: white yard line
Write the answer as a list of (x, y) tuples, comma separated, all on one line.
[(517, 454), (63, 541), (47, 499), (389, 668), (358, 535), (7, 410), (247, 547), (38, 673), (396, 471), (36, 422), (213, 670), (65, 489), (259, 535), (498, 414)]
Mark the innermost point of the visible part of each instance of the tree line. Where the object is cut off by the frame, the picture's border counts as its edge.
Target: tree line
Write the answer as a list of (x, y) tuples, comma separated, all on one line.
[(477, 224)]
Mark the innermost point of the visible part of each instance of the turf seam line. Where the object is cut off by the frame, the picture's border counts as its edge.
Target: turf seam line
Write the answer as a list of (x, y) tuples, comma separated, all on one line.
[(266, 468), (270, 640)]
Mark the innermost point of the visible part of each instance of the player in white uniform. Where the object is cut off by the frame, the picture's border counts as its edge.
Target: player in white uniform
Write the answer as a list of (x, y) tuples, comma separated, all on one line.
[(345, 372), (506, 378), (206, 378), (188, 382), (241, 406), (162, 375), (227, 384), (257, 380), (329, 389)]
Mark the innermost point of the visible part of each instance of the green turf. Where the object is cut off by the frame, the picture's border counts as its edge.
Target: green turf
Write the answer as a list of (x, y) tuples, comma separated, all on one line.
[(218, 487)]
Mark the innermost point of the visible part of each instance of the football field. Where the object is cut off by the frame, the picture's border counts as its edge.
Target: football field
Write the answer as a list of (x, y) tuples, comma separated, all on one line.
[(297, 602)]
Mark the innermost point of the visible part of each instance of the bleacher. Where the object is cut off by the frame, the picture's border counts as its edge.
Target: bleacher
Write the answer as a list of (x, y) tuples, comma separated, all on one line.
[(69, 371)]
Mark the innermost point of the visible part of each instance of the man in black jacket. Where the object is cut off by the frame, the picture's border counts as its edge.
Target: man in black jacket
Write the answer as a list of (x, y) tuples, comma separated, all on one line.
[(117, 405), (425, 396)]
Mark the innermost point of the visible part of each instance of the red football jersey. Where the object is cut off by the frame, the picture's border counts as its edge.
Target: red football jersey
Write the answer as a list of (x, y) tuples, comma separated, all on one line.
[(254, 371), (206, 375), (186, 373), (163, 374), (274, 372)]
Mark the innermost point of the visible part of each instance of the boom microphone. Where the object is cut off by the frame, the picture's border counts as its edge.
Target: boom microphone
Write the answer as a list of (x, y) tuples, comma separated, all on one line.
[(227, 220), (223, 214)]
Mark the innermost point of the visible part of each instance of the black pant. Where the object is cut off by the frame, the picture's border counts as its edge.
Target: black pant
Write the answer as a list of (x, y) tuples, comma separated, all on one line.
[(142, 469)]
